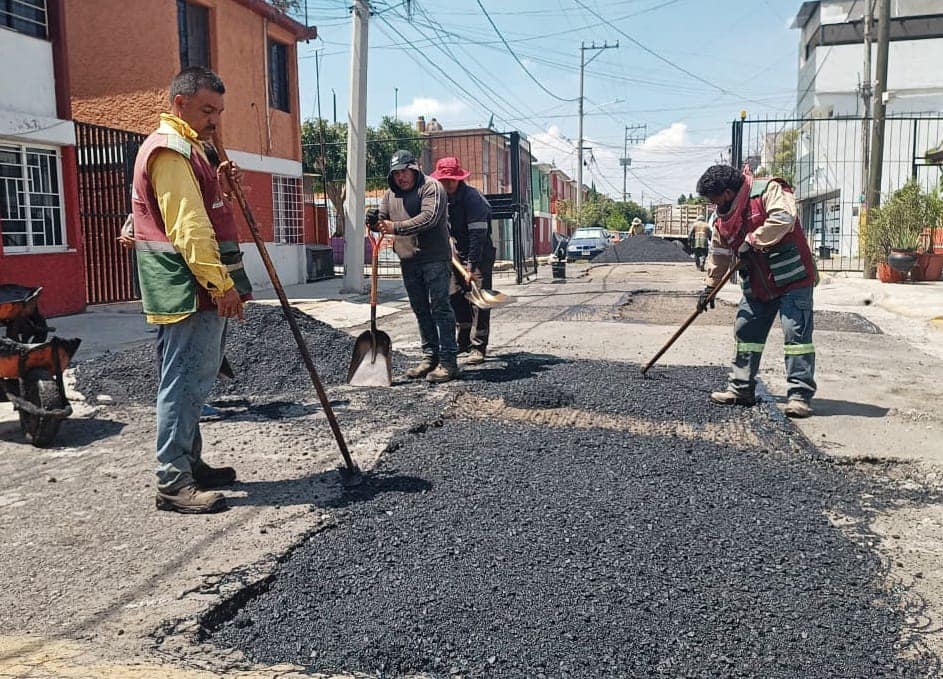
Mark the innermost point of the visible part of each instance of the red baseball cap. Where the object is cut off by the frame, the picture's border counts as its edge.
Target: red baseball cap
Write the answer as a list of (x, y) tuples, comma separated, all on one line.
[(449, 168)]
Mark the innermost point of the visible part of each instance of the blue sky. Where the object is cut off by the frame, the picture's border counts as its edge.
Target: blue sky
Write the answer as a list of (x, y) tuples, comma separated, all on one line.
[(684, 68)]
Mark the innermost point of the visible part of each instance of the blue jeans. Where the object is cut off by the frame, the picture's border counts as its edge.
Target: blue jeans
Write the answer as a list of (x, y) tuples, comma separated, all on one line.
[(754, 320), (427, 285), (189, 355)]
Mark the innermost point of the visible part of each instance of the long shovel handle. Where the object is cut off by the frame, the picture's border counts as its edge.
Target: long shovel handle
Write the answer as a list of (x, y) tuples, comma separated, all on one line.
[(684, 326), (286, 308), (374, 281)]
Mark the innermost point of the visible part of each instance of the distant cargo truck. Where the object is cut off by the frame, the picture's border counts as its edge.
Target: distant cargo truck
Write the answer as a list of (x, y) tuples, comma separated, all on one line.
[(673, 222)]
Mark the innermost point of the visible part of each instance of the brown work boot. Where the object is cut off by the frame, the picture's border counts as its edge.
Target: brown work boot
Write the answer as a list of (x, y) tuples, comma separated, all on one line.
[(213, 477), (732, 398), (190, 499), (798, 408), (426, 365), (446, 371), (476, 356)]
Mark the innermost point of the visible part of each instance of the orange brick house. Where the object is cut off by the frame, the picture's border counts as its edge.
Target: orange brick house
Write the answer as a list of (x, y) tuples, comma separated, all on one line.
[(122, 56)]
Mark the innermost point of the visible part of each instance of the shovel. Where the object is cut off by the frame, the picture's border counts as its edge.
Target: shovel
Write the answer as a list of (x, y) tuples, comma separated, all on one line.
[(480, 297), (370, 365)]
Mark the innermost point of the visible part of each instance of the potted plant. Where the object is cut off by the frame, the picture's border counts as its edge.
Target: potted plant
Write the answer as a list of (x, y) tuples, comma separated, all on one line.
[(893, 230)]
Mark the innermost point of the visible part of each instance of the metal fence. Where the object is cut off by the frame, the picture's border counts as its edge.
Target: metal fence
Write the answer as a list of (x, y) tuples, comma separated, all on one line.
[(105, 168), (824, 159), (499, 164)]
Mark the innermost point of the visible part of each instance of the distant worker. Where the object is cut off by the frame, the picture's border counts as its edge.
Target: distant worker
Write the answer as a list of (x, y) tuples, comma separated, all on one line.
[(637, 227), (757, 222), (470, 225), (699, 240), (434, 126)]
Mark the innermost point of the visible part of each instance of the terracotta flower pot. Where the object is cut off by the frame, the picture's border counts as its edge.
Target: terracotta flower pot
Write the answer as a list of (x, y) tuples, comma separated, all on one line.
[(929, 266), (888, 275)]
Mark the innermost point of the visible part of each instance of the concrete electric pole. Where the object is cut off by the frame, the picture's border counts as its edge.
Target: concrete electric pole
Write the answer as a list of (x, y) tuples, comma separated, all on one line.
[(579, 145), (356, 151), (876, 159), (637, 137), (866, 100)]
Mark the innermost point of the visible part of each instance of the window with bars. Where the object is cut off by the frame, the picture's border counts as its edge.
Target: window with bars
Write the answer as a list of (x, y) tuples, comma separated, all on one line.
[(31, 214), (288, 209), (24, 16), (193, 32), (278, 96)]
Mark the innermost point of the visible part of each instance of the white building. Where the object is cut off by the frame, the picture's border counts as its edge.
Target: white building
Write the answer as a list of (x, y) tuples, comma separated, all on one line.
[(831, 57), (829, 150)]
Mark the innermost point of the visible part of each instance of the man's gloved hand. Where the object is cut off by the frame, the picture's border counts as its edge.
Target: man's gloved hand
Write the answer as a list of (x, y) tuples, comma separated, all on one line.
[(744, 247), (373, 219), (702, 299)]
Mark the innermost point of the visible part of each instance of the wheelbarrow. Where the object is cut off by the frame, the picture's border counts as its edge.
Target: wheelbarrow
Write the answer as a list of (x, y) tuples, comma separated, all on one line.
[(31, 366)]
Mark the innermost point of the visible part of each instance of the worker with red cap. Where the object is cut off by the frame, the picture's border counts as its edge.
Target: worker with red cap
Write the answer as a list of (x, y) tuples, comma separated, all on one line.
[(470, 226)]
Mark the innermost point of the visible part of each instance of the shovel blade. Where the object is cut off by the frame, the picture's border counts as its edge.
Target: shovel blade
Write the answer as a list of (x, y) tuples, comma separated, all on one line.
[(369, 368), (495, 297)]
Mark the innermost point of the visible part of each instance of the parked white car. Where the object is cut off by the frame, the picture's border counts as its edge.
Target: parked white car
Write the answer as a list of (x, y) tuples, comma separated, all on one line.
[(586, 243)]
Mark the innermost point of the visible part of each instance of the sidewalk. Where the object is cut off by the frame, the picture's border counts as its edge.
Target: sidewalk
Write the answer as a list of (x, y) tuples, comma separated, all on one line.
[(115, 327)]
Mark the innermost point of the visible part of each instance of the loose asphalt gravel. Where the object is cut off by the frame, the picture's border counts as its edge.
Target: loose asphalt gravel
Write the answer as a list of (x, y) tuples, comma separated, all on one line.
[(641, 248), (260, 349), (503, 546)]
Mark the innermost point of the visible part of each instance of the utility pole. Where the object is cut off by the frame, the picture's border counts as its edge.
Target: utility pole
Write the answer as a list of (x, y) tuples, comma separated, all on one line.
[(395, 103), (636, 138), (579, 146), (866, 101), (334, 98), (356, 151), (876, 159)]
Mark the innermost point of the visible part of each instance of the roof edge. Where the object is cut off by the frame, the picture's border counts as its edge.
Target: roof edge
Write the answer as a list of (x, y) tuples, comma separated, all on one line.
[(297, 29)]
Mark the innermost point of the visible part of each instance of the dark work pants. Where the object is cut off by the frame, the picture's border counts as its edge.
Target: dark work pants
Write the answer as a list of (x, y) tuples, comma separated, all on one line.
[(700, 256), (754, 320), (427, 285), (474, 324)]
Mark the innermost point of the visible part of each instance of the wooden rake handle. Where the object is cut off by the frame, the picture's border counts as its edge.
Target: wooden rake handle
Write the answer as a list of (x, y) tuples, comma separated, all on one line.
[(286, 308), (697, 312)]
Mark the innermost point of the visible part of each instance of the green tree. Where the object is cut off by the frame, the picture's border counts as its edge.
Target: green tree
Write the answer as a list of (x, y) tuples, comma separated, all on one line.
[(629, 210), (382, 141), (682, 199), (784, 157)]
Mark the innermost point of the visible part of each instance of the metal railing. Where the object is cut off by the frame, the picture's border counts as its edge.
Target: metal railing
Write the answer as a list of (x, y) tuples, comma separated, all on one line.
[(824, 160)]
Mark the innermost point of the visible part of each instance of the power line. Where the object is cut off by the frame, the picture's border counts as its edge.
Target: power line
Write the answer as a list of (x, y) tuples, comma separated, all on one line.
[(650, 51), (516, 58)]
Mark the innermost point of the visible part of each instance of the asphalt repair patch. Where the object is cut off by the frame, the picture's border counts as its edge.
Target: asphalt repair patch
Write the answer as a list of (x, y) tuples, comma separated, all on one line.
[(653, 535)]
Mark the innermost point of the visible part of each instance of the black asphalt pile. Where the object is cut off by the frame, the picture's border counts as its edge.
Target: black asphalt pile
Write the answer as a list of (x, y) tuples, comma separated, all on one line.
[(485, 547), (641, 248), (260, 349)]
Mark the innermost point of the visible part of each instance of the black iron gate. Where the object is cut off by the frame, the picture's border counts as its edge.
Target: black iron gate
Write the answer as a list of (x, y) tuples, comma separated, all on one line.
[(824, 160), (105, 164)]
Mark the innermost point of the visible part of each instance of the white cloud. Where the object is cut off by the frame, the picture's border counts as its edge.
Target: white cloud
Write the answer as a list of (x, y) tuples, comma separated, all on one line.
[(553, 147), (432, 108), (673, 136)]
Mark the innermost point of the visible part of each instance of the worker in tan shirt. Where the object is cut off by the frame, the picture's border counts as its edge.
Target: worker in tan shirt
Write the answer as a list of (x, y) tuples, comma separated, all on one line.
[(192, 282), (757, 227)]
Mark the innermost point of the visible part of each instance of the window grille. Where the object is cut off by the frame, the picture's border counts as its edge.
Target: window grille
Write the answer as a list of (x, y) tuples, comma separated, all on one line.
[(287, 209), (25, 16), (278, 76), (31, 214)]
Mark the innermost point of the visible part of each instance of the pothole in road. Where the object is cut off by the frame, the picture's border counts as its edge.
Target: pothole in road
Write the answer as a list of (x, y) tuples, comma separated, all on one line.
[(670, 308)]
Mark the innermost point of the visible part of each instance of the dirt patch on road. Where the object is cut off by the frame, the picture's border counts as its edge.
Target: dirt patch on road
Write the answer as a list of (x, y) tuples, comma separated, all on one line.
[(661, 308)]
